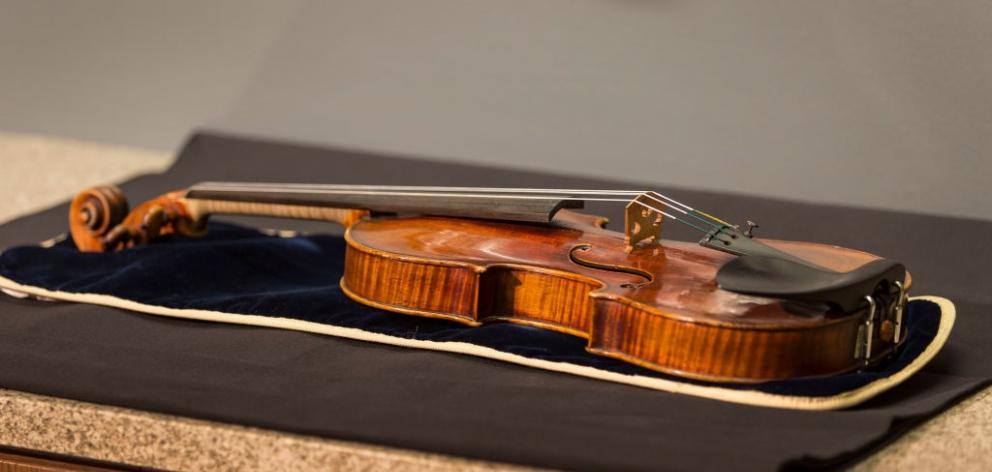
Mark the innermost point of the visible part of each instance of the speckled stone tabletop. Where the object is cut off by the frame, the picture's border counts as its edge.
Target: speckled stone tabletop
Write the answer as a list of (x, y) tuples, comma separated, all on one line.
[(38, 171)]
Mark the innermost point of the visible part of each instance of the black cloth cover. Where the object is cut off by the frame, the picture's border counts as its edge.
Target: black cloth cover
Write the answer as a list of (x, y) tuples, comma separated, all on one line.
[(426, 400), (242, 271)]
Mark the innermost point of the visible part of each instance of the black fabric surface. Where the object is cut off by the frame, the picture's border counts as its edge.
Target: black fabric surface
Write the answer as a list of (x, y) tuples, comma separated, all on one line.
[(240, 270), (468, 406)]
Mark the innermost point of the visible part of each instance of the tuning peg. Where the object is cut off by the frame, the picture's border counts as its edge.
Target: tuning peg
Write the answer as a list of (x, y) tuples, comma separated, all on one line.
[(152, 223)]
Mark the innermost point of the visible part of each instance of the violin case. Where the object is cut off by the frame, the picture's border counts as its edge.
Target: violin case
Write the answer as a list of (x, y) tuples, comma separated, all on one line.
[(250, 326)]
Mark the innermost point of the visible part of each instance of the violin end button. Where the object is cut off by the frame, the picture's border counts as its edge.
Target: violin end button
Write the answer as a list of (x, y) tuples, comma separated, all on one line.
[(887, 331)]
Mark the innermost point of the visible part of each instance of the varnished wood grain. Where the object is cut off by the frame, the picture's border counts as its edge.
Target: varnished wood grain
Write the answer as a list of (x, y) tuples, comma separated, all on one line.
[(675, 320), (198, 209)]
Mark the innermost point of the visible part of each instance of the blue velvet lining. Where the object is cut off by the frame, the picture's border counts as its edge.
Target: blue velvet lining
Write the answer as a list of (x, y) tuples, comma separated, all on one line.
[(239, 270)]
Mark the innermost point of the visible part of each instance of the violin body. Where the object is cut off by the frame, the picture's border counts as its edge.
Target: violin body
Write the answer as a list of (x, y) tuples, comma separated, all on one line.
[(657, 304), (658, 307)]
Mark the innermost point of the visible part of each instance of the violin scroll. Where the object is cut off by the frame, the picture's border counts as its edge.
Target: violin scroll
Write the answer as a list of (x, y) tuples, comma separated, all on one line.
[(93, 213), (99, 219)]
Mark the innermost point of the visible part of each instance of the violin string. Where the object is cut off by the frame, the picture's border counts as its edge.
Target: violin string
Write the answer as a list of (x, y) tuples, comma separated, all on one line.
[(475, 192), (672, 217), (660, 198), (421, 188), (450, 192), (549, 191), (503, 190)]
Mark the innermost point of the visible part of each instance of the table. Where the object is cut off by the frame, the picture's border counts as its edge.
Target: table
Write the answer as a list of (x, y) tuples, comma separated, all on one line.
[(960, 438)]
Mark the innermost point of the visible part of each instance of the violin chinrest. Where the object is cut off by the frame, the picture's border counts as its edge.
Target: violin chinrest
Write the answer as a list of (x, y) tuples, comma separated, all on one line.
[(783, 278)]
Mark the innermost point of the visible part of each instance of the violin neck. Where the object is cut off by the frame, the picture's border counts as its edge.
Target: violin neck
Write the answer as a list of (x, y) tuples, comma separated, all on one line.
[(438, 201)]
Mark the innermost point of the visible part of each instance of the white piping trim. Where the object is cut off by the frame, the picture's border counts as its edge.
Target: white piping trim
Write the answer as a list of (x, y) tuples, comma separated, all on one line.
[(842, 400)]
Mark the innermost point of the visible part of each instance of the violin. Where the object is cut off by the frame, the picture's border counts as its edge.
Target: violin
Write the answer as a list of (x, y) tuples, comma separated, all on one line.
[(732, 308)]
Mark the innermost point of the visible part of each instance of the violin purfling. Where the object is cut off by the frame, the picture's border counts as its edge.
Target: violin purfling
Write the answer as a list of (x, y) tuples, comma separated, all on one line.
[(731, 308)]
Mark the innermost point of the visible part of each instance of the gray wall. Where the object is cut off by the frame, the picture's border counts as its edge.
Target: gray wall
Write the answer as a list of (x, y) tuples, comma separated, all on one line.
[(881, 104)]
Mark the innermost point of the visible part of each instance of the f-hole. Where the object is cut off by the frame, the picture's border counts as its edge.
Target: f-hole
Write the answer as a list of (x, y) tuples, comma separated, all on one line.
[(575, 256)]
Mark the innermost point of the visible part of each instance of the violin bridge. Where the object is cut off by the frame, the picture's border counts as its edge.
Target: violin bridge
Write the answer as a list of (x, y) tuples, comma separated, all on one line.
[(642, 224)]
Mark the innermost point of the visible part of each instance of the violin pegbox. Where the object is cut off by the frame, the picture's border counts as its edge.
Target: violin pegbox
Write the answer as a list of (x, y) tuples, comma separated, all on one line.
[(99, 219), (642, 223)]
